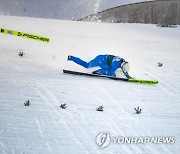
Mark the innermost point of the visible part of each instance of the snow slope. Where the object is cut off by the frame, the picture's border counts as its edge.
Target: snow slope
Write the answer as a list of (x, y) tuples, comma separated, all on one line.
[(45, 128)]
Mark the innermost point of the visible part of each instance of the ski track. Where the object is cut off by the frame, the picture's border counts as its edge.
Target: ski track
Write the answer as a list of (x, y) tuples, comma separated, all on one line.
[(49, 94), (52, 100), (114, 128)]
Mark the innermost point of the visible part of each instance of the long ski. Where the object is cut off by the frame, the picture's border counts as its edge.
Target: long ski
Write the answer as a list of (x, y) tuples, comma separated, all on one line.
[(110, 77)]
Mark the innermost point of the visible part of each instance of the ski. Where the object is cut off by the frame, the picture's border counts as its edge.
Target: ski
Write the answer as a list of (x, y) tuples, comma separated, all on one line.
[(110, 77), (24, 35)]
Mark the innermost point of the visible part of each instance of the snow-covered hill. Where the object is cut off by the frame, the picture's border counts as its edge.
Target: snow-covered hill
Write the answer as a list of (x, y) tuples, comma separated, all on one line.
[(44, 127)]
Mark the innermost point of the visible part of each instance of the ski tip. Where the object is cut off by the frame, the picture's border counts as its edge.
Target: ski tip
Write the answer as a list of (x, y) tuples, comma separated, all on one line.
[(143, 81)]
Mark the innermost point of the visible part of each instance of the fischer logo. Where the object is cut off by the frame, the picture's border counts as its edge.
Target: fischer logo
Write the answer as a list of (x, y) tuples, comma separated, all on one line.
[(104, 139), (35, 37)]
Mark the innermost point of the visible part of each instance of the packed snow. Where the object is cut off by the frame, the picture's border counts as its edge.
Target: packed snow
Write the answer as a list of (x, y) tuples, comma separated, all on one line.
[(44, 127)]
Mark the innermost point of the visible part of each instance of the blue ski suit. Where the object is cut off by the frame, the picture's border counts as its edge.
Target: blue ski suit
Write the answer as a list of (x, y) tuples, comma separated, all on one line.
[(108, 63)]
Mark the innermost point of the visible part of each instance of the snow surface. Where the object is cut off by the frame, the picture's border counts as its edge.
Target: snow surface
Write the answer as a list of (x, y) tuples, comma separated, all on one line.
[(44, 127)]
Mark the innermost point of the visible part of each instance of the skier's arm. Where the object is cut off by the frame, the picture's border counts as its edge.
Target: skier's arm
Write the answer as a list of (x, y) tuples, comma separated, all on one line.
[(127, 75)]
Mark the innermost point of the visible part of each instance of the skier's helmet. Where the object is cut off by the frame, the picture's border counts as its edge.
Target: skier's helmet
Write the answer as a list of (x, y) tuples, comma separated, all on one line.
[(125, 67)]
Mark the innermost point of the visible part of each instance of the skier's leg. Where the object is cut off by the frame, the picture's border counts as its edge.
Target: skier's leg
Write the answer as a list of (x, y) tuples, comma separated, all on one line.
[(100, 60), (97, 61), (102, 71), (78, 61)]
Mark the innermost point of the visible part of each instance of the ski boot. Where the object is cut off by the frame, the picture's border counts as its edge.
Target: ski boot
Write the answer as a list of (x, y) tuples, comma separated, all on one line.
[(69, 57)]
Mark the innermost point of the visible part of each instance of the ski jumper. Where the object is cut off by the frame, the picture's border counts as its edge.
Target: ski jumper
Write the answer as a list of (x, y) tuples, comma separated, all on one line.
[(108, 63)]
